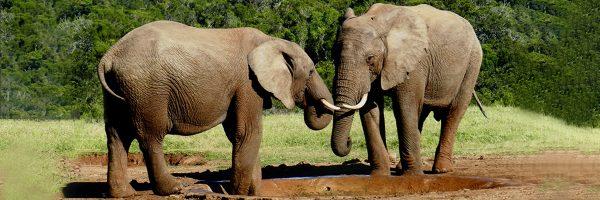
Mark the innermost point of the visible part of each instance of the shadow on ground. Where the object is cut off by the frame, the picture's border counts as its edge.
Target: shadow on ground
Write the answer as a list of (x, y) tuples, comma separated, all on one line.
[(95, 189), (100, 189), (284, 171)]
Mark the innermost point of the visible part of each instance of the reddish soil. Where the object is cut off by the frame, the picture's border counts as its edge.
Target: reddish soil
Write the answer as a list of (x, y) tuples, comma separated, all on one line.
[(553, 175)]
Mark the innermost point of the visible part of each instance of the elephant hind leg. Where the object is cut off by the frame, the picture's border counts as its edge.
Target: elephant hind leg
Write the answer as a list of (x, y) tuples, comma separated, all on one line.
[(118, 146), (422, 117), (163, 183), (119, 136), (443, 154), (451, 119), (150, 137)]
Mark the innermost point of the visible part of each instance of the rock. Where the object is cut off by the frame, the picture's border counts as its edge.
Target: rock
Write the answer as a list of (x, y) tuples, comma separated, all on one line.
[(193, 160)]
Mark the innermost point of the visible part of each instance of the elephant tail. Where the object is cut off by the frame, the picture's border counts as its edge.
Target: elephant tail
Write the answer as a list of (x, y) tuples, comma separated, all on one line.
[(102, 68), (479, 104)]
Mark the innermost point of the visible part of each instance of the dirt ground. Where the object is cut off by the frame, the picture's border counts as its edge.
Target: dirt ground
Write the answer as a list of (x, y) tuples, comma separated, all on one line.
[(552, 175)]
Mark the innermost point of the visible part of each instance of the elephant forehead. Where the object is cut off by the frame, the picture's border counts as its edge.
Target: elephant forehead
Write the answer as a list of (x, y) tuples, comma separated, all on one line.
[(356, 41), (359, 34), (359, 27)]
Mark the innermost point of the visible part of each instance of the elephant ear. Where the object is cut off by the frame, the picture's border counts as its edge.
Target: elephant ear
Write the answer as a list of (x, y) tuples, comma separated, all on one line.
[(406, 43), (273, 71), (349, 13)]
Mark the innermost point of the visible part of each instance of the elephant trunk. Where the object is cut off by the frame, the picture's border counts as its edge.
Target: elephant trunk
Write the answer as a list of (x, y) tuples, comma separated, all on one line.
[(345, 90), (316, 116), (341, 143)]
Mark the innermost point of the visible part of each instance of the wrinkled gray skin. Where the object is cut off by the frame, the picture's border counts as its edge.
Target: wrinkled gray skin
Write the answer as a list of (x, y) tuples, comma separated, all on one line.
[(168, 78), (426, 59)]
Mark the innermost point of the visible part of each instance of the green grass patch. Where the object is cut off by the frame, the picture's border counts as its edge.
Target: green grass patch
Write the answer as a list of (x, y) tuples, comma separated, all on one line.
[(30, 151)]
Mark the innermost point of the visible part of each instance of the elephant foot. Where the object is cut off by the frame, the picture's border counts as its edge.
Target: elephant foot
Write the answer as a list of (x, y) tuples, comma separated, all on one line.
[(384, 171), (442, 165), (121, 191), (250, 189), (168, 186), (409, 171)]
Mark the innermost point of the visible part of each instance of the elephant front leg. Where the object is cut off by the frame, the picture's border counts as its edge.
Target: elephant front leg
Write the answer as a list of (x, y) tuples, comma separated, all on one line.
[(246, 171), (244, 130), (376, 148), (406, 112)]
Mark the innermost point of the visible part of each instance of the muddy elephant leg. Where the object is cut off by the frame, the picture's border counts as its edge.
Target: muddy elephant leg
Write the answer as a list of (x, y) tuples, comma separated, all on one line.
[(371, 123), (119, 136), (246, 171), (443, 153), (406, 108), (151, 146), (244, 130), (118, 146)]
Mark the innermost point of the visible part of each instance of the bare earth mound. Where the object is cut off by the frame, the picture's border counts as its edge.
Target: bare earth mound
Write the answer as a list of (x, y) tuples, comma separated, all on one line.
[(551, 175)]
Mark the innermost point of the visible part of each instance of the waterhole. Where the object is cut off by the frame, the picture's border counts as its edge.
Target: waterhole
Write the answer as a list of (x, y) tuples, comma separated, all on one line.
[(364, 185)]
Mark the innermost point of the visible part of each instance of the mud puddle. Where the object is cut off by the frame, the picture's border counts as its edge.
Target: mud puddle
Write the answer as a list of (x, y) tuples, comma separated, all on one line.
[(552, 175), (376, 185), (357, 185)]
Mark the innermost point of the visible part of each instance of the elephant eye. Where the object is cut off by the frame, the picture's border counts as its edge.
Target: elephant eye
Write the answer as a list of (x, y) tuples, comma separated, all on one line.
[(370, 59)]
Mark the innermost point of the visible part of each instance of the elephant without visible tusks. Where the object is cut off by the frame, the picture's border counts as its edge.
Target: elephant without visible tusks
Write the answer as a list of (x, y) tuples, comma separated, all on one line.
[(168, 78), (426, 59)]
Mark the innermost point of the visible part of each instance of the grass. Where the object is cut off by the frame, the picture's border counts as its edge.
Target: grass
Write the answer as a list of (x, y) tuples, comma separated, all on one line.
[(30, 151)]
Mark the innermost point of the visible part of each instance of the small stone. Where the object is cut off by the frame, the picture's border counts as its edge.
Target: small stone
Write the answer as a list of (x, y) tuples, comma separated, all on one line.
[(393, 158), (195, 160), (198, 189)]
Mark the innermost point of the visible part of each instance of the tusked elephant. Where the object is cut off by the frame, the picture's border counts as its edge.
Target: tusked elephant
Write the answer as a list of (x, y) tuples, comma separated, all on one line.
[(426, 59), (168, 78)]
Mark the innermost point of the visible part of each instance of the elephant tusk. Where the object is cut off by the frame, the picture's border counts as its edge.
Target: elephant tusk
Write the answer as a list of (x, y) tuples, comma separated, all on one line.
[(359, 105), (329, 105)]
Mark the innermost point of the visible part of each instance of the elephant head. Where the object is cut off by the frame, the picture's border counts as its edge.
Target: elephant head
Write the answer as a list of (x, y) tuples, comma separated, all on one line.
[(283, 69), (384, 45)]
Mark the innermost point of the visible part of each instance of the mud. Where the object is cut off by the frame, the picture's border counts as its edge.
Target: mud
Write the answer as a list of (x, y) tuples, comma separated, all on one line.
[(554, 175), (380, 185)]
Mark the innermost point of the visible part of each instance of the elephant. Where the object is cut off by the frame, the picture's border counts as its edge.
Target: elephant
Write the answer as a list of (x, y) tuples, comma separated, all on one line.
[(425, 59), (169, 78)]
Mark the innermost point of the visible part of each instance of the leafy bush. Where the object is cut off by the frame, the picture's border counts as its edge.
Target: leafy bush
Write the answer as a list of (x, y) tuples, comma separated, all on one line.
[(540, 55)]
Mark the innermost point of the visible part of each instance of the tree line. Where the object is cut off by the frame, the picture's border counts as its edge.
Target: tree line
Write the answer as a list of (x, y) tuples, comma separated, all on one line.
[(541, 55)]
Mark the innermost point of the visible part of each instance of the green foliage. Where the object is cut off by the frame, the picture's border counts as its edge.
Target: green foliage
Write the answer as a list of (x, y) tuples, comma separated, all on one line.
[(540, 55)]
